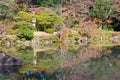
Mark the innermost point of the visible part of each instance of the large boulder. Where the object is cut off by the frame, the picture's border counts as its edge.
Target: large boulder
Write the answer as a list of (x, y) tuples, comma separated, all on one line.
[(6, 60)]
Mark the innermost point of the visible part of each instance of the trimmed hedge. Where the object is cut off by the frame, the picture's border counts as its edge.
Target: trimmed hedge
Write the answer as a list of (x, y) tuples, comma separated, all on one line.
[(49, 30)]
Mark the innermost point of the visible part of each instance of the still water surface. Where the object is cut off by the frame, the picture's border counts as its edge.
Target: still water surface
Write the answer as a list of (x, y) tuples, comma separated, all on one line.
[(64, 62)]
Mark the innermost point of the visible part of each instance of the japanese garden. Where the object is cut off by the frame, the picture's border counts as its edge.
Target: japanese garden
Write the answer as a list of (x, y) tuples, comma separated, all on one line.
[(59, 39)]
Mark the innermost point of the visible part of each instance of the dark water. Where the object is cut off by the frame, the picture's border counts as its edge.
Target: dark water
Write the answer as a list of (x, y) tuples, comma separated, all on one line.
[(64, 62)]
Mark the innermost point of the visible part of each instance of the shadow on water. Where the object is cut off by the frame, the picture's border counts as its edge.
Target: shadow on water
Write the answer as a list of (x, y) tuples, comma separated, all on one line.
[(9, 72), (64, 62)]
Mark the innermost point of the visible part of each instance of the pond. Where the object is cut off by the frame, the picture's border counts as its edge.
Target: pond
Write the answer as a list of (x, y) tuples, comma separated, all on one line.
[(63, 62)]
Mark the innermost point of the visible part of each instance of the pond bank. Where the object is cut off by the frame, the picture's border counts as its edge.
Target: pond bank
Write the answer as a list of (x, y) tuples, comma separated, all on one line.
[(74, 36)]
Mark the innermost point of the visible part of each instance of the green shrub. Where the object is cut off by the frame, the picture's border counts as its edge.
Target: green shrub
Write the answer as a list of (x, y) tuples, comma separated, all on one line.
[(24, 30), (43, 8), (42, 40), (10, 31), (24, 8), (0, 41), (49, 30), (50, 52), (17, 38), (74, 51), (77, 38), (54, 39), (70, 34), (19, 24), (23, 39), (75, 22), (108, 27)]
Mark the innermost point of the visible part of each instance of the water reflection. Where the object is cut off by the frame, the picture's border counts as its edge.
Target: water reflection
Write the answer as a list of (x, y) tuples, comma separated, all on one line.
[(9, 73), (65, 62)]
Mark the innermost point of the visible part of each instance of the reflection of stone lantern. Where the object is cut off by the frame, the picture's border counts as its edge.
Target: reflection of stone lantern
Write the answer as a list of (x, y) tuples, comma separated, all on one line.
[(34, 20), (35, 60), (115, 37)]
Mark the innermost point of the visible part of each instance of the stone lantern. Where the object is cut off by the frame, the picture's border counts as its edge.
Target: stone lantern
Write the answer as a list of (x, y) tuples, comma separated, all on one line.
[(34, 20)]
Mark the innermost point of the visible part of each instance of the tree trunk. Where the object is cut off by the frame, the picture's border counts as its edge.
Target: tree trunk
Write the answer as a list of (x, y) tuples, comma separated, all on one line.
[(101, 26), (44, 28)]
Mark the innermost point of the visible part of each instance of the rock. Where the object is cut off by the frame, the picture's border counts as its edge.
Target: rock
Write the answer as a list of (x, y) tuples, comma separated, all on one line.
[(6, 60), (9, 70), (118, 57), (67, 41)]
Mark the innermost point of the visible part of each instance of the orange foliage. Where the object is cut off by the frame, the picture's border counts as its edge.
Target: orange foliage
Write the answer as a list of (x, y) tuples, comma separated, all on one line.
[(99, 21), (108, 51), (98, 56), (63, 46), (20, 5), (109, 21), (64, 34), (95, 25)]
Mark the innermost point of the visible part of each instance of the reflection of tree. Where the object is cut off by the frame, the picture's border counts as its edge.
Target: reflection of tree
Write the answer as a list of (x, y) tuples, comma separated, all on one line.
[(102, 67), (68, 55), (69, 61), (87, 62), (90, 70), (46, 64), (66, 51), (45, 54), (9, 76), (10, 50), (2, 77), (25, 53), (115, 49), (76, 54), (45, 61)]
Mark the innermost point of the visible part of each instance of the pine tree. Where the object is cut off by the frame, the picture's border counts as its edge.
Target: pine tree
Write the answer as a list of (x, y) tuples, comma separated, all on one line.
[(103, 9)]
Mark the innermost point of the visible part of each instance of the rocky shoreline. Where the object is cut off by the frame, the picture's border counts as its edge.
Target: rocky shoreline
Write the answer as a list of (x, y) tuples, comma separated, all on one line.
[(6, 60)]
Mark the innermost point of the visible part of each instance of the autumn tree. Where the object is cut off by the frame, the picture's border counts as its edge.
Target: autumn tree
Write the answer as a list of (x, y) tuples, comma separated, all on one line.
[(75, 11)]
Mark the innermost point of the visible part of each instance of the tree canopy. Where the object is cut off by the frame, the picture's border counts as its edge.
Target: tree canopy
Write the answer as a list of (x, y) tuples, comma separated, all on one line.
[(46, 3), (8, 8), (24, 16), (103, 9), (49, 19), (24, 30)]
